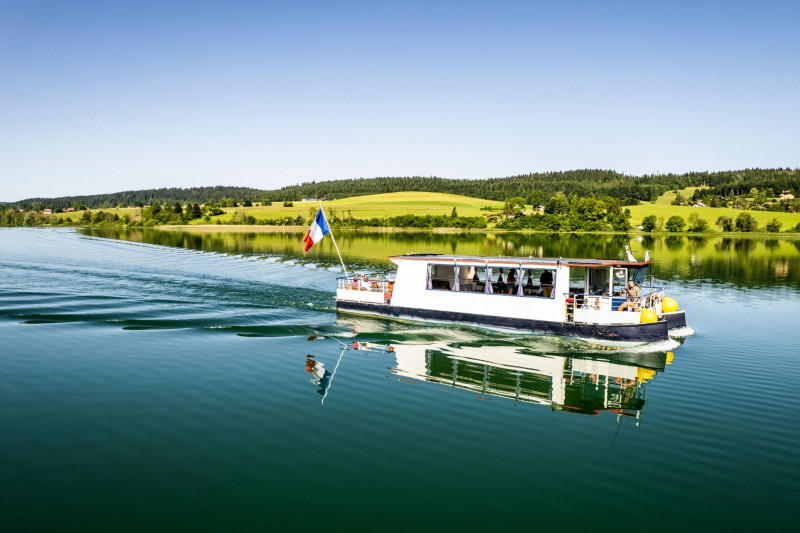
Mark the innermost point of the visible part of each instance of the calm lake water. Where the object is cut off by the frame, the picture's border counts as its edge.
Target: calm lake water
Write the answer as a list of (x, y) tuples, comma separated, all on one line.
[(168, 380)]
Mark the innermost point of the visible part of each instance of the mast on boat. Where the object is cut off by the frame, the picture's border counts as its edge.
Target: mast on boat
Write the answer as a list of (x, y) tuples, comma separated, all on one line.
[(330, 230)]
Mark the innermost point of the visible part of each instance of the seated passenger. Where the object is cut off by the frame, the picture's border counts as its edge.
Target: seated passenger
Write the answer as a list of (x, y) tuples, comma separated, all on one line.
[(632, 291), (592, 305), (365, 284), (502, 288)]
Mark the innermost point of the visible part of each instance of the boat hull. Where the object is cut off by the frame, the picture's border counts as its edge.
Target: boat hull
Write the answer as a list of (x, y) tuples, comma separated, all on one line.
[(622, 333), (676, 319)]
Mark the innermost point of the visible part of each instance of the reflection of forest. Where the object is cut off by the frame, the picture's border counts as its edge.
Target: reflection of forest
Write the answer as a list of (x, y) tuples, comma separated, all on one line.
[(764, 261)]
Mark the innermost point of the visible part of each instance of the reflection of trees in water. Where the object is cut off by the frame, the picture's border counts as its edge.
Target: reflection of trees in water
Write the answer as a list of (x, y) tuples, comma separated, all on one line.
[(744, 246), (674, 243), (696, 244), (714, 259), (565, 245)]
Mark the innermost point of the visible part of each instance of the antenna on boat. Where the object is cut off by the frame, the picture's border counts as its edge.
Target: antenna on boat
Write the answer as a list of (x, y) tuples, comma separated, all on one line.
[(629, 255), (330, 230)]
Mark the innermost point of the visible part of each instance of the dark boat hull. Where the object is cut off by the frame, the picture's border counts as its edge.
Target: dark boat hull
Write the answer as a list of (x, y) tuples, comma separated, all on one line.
[(676, 319), (626, 333)]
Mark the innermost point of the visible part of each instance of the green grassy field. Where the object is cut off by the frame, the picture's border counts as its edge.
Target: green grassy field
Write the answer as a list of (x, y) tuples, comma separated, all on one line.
[(638, 212), (663, 207), (669, 196), (424, 203), (372, 206), (121, 211)]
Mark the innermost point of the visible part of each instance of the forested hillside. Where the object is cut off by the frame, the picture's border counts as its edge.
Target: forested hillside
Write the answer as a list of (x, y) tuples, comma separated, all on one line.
[(535, 188)]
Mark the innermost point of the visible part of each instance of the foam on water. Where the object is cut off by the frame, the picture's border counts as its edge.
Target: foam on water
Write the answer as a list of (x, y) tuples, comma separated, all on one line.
[(682, 332)]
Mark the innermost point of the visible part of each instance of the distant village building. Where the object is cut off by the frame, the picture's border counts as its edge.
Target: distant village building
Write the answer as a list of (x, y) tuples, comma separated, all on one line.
[(540, 209), (314, 200), (47, 211), (786, 195), (69, 209), (699, 203)]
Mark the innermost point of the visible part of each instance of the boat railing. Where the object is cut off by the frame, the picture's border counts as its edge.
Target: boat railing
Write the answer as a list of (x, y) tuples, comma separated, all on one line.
[(649, 297), (366, 282)]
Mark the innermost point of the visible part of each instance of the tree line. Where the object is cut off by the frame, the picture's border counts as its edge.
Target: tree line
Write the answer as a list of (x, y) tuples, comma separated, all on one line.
[(535, 188)]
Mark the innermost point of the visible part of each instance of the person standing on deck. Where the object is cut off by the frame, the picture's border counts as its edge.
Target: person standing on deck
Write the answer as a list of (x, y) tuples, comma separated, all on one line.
[(546, 281)]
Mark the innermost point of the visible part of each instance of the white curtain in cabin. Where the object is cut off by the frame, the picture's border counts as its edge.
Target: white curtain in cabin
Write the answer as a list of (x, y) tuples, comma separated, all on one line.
[(456, 287), (488, 287), (430, 281), (519, 282)]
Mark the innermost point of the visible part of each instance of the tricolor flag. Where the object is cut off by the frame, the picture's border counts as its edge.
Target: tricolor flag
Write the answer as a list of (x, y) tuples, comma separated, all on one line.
[(319, 228)]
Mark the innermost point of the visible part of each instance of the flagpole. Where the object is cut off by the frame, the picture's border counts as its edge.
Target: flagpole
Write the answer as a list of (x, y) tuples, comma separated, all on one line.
[(334, 243)]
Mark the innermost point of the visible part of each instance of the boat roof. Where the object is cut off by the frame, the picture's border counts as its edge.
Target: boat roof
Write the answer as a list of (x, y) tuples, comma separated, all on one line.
[(479, 260)]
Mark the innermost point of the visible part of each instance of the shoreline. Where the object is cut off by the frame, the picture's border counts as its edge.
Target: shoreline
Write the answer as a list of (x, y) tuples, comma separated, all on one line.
[(259, 228)]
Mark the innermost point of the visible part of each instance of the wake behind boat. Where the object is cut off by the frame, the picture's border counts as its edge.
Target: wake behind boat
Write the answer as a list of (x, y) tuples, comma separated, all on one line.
[(586, 298)]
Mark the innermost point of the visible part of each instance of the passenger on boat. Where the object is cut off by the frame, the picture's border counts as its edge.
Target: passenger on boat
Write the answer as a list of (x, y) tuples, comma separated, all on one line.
[(546, 281), (632, 290), (633, 294), (502, 288), (595, 305), (511, 282)]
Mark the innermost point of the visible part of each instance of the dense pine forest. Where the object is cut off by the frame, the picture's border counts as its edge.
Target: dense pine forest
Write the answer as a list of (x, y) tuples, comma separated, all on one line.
[(536, 188)]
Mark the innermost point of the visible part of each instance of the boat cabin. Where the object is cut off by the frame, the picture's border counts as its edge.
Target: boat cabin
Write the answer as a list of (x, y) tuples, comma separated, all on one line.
[(551, 289)]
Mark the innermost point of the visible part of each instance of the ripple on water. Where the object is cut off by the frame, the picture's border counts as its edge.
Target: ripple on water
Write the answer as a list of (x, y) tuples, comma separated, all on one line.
[(201, 391)]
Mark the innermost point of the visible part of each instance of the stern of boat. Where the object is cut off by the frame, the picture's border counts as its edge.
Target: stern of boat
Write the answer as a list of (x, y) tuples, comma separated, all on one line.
[(367, 290)]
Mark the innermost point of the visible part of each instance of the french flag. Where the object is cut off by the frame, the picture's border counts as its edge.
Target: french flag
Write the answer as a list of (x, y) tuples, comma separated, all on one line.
[(319, 228)]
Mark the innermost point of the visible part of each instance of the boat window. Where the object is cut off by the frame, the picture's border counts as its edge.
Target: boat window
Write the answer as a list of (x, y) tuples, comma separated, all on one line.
[(510, 281), (478, 283), (537, 282), (577, 280), (598, 281), (468, 279), (441, 277), (619, 279)]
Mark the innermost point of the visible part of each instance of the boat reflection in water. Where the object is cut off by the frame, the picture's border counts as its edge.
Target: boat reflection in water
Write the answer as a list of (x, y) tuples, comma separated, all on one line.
[(578, 383)]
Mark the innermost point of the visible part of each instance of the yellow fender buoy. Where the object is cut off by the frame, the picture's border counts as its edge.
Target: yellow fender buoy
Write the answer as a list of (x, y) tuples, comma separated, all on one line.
[(648, 315), (669, 305), (645, 374)]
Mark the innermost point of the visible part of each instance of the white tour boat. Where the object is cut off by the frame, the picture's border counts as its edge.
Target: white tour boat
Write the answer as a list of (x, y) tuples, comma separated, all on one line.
[(584, 298)]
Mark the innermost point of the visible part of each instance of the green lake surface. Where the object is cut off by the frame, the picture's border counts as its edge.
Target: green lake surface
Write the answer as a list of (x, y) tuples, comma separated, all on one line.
[(170, 380)]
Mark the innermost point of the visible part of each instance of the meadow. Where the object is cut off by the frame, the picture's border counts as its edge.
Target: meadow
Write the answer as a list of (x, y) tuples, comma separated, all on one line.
[(663, 207), (426, 203), (372, 206)]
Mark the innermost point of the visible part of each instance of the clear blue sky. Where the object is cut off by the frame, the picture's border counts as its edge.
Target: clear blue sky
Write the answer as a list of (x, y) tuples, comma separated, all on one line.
[(106, 96)]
